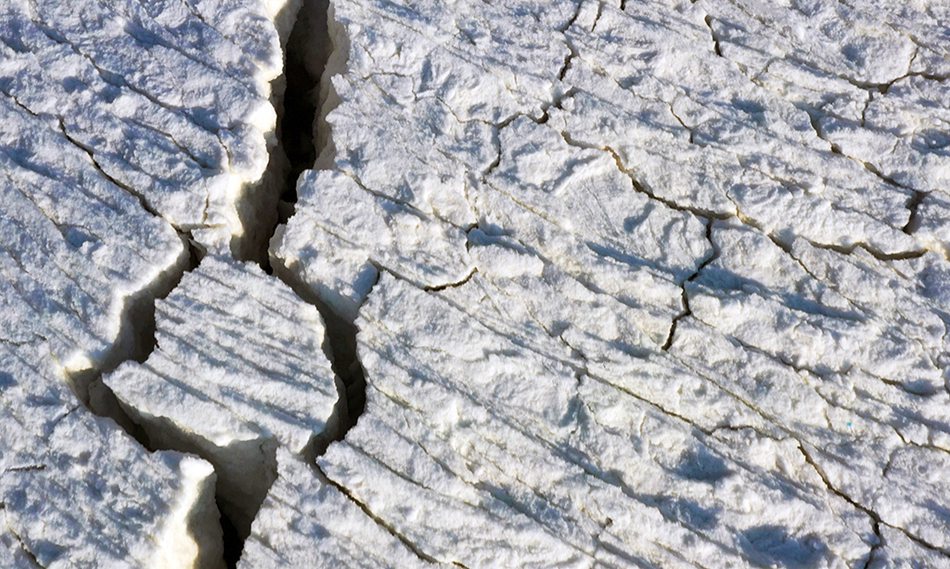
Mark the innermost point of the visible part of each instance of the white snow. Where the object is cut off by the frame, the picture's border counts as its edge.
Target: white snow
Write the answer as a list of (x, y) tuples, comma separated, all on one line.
[(238, 369), (120, 123), (693, 322), (631, 284)]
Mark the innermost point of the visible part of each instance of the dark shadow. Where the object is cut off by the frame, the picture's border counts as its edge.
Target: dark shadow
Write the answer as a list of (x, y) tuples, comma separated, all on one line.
[(771, 545), (308, 49), (701, 465)]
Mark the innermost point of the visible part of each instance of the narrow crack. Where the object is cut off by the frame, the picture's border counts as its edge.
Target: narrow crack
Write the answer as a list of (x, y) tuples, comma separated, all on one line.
[(88, 151), (369, 513), (717, 49), (876, 519), (640, 187), (26, 468), (457, 284), (687, 311), (814, 118)]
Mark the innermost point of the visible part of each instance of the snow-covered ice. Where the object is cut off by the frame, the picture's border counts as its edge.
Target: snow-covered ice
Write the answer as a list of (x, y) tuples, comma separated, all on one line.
[(237, 371), (171, 100), (629, 284), (122, 126)]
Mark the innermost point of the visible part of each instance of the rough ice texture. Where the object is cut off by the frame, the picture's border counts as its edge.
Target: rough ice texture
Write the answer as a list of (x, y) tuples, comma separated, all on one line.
[(75, 491), (305, 519), (120, 123), (171, 100), (639, 283), (662, 284), (238, 370)]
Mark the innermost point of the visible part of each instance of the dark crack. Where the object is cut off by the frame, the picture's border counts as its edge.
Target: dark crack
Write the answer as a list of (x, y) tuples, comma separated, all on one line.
[(304, 137), (136, 343), (24, 548), (143, 201), (717, 49), (457, 284), (308, 49), (26, 468), (875, 517), (376, 519), (913, 205), (687, 311)]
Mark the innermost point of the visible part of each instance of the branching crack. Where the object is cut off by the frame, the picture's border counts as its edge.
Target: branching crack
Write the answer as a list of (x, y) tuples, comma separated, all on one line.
[(686, 309), (640, 187), (876, 519), (88, 151)]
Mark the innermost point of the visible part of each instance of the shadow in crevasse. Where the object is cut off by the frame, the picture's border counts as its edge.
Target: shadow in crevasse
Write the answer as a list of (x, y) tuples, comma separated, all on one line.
[(307, 51)]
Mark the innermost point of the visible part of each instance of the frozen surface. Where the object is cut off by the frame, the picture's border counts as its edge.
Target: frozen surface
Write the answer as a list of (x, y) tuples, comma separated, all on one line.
[(238, 370), (171, 100), (75, 491), (630, 284), (661, 284), (123, 127), (305, 519)]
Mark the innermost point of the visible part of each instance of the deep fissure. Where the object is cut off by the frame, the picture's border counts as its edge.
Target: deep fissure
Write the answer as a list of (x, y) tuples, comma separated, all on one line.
[(304, 137), (300, 144), (306, 52)]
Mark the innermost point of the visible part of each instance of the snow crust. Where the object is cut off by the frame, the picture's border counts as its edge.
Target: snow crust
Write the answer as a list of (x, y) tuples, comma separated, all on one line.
[(171, 100), (238, 370), (656, 285), (129, 132), (633, 284)]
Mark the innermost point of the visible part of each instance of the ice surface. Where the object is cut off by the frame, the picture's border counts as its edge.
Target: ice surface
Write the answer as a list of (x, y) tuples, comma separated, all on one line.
[(631, 284), (171, 100), (675, 298), (126, 131), (307, 520), (78, 492), (238, 370)]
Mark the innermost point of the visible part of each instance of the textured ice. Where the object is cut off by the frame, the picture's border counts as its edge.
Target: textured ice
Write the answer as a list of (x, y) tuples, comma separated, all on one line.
[(171, 100), (689, 310), (652, 283), (120, 123), (238, 370), (75, 491), (307, 520)]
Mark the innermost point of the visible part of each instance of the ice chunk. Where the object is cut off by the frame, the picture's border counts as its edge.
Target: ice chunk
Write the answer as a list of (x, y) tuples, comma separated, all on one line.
[(238, 370)]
